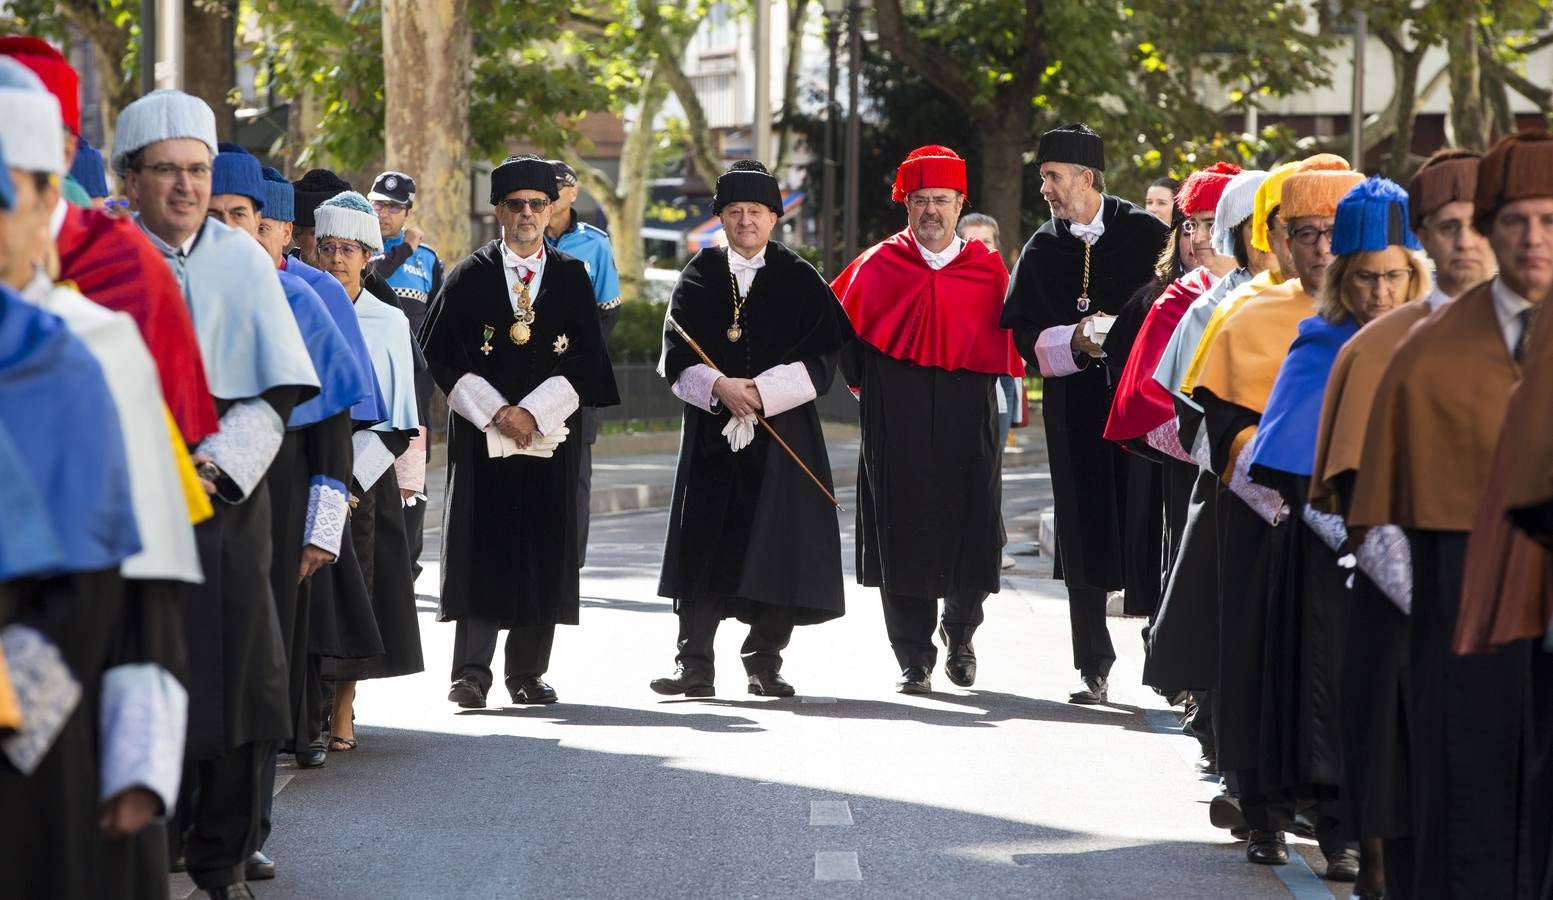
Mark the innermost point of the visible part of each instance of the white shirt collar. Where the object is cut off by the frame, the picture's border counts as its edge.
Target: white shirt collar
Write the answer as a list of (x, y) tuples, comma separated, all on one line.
[(1508, 306), (1437, 298), (511, 259), (943, 258), (737, 261), (1091, 232)]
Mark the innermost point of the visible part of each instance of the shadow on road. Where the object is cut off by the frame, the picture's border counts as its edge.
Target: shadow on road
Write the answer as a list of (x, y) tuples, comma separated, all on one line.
[(981, 709), (615, 716)]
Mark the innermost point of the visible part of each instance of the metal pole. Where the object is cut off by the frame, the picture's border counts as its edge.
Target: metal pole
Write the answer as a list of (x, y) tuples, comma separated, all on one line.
[(1361, 33), (761, 134), (828, 188), (854, 126), (147, 47), (169, 44)]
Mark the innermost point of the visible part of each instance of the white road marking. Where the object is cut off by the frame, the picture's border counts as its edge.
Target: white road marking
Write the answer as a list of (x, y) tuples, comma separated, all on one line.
[(836, 865), (830, 812)]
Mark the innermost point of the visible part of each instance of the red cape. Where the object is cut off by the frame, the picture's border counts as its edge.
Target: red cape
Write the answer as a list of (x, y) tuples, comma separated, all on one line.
[(946, 318), (1141, 404), (114, 265)]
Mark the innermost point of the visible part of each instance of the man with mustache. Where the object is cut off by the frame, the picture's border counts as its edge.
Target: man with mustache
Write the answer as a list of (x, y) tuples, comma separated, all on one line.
[(925, 305), (1071, 280)]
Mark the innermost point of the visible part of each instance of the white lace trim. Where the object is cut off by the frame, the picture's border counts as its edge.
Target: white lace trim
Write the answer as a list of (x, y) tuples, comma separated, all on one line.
[(46, 691), (1263, 500), (1386, 558), (787, 387), (372, 458), (1166, 438), (1054, 352), (477, 400), (328, 507), (1330, 528), (249, 437), (694, 386), (145, 713), (410, 467), (551, 403)]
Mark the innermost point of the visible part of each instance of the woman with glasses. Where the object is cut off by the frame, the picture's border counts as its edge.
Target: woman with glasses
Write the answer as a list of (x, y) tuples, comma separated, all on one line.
[(346, 235), (1375, 268)]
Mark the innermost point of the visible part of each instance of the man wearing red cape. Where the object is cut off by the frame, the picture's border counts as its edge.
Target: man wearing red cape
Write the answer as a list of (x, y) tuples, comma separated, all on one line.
[(925, 304)]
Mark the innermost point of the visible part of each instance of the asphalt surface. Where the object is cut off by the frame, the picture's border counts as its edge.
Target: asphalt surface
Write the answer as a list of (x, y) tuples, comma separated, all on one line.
[(850, 790)]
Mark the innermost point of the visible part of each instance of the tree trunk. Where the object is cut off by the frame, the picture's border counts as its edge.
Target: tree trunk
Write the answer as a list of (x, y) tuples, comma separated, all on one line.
[(797, 16), (1404, 107), (428, 49), (1469, 116), (210, 61), (1003, 144)]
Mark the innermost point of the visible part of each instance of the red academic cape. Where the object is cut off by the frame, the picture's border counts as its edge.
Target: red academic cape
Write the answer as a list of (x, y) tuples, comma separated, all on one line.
[(1141, 403), (946, 318), (114, 265)]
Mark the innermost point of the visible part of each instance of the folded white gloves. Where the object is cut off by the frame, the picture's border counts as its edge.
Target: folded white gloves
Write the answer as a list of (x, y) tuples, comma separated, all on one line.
[(499, 446), (740, 432)]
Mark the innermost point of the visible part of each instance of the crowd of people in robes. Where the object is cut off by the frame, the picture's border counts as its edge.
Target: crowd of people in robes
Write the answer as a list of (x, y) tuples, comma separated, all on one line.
[(1292, 416)]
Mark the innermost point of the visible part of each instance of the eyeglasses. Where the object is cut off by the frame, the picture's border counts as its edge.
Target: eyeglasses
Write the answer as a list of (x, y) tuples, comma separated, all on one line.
[(1396, 279), (171, 171), (534, 204), (1309, 235), (381, 205), (1192, 226), (921, 203), (339, 248)]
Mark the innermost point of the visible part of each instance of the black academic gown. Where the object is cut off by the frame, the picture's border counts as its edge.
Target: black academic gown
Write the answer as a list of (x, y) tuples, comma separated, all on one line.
[(509, 537), (1089, 473), (750, 527)]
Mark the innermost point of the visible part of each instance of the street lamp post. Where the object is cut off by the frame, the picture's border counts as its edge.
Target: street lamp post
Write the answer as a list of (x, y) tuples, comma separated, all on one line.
[(833, 9), (854, 124)]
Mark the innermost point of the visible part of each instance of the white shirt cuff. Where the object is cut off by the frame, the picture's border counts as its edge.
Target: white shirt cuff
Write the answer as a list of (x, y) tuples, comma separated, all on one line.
[(477, 400), (551, 403), (410, 467), (1387, 558), (144, 720), (1054, 351), (249, 437), (328, 506), (1263, 500), (784, 387), (372, 458), (694, 386)]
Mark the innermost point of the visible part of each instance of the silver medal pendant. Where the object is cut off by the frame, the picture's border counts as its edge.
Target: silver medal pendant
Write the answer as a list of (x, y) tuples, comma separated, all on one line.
[(1083, 304)]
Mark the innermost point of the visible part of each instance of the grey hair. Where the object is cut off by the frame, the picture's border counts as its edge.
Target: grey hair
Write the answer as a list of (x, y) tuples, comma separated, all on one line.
[(974, 219), (1099, 182)]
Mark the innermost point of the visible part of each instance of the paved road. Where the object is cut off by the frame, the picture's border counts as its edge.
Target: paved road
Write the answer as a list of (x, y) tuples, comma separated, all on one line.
[(1002, 790)]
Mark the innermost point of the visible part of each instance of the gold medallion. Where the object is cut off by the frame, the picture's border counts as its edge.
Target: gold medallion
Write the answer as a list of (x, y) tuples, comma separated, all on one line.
[(734, 333), (519, 333)]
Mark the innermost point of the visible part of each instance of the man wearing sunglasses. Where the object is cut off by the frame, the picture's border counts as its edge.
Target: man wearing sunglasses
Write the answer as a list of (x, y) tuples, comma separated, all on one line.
[(513, 338)]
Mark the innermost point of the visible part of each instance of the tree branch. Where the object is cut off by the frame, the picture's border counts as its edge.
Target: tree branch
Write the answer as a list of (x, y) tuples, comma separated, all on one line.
[(705, 158), (1519, 83), (905, 46)]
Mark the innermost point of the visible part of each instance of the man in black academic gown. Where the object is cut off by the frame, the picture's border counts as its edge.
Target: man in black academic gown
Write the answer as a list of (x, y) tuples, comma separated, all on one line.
[(1074, 274), (925, 304), (750, 536), (513, 338)]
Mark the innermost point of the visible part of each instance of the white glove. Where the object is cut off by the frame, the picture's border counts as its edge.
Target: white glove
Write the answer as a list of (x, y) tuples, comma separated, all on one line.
[(740, 432)]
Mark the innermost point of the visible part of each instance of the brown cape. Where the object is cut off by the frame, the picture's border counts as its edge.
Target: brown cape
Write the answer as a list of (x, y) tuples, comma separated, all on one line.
[(1530, 479), (1436, 420)]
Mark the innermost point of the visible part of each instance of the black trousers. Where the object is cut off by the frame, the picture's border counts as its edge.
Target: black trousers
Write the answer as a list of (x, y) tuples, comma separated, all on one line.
[(588, 424), (474, 646), (771, 628), (911, 621), (220, 806), (1092, 650)]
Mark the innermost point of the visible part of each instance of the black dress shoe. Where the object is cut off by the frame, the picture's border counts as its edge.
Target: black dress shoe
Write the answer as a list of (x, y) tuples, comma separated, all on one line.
[(1343, 865), (467, 693), (531, 689), (312, 757), (1224, 812), (914, 680), (237, 891), (770, 684), (179, 864), (689, 682), (1267, 848), (1092, 692), (259, 867), (959, 661)]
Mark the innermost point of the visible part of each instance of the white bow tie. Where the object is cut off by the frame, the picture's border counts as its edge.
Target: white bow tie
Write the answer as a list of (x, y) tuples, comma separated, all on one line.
[(737, 263), (1086, 232)]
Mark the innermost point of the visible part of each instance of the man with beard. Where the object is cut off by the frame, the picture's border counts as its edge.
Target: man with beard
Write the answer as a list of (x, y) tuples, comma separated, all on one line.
[(925, 303)]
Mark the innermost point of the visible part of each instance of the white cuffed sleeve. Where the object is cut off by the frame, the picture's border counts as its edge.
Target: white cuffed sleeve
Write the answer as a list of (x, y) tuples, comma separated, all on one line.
[(694, 386), (145, 714), (551, 403), (248, 438), (476, 400), (1387, 558), (786, 387), (328, 506), (410, 467), (1263, 500), (372, 458), (1054, 352)]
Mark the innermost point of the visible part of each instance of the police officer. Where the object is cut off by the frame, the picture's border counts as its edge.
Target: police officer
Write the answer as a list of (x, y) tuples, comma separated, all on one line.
[(591, 245), (411, 268)]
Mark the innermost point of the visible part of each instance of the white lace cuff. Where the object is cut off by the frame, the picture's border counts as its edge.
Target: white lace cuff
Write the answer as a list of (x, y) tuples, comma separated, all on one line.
[(1166, 438), (1330, 528), (145, 712), (551, 403), (787, 387), (410, 467), (46, 690), (694, 386), (477, 400), (328, 505), (1054, 352), (372, 458), (1386, 557), (1263, 500), (249, 437)]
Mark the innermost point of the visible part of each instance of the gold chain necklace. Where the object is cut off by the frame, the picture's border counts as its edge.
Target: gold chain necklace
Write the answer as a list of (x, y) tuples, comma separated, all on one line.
[(736, 331), (1083, 297), (521, 329)]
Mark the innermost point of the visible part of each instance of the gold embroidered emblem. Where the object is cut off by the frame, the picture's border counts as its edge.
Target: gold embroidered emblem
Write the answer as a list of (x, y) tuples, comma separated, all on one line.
[(561, 344)]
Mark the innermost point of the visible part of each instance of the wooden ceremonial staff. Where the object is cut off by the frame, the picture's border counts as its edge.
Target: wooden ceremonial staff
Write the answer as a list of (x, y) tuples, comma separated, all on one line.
[(762, 419)]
